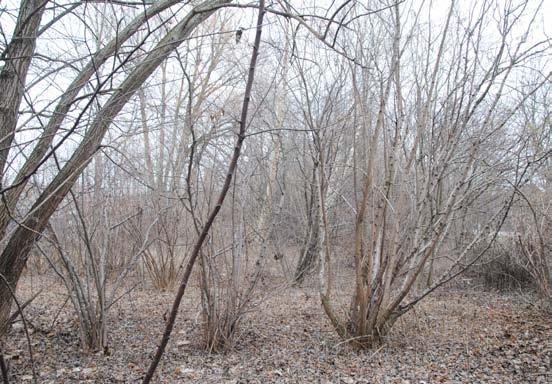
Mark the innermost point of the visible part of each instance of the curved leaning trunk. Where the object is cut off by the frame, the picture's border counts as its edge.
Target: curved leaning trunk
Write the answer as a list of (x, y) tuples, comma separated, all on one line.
[(15, 254), (17, 56), (40, 152)]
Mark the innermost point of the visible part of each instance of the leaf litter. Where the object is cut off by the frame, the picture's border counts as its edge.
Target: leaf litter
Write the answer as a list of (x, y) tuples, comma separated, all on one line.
[(455, 336)]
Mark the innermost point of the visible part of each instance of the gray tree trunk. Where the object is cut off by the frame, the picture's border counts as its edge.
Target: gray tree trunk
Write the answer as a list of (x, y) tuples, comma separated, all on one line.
[(17, 57)]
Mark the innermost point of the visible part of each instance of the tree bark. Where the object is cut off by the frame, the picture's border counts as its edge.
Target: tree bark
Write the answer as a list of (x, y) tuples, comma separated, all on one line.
[(17, 56)]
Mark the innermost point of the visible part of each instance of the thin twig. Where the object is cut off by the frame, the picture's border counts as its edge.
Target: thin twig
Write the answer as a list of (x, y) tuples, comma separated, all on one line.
[(222, 195)]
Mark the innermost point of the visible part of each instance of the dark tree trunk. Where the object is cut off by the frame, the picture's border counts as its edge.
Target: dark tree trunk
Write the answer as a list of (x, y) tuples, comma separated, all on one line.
[(308, 258), (17, 57)]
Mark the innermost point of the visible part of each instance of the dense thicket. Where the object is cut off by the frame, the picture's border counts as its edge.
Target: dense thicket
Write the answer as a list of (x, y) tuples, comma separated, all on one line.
[(392, 142)]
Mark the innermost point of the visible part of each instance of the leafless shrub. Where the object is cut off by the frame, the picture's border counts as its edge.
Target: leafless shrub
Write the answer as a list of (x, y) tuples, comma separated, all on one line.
[(535, 248), (502, 269), (420, 171), (92, 264)]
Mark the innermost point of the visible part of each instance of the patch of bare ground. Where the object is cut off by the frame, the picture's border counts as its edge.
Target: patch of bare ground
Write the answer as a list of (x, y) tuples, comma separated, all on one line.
[(452, 337)]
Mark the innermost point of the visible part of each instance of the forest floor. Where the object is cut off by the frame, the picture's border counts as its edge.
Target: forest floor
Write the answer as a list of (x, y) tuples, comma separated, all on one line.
[(455, 336)]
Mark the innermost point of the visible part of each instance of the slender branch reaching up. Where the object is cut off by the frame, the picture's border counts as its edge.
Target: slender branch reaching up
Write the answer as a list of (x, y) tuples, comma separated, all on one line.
[(205, 231)]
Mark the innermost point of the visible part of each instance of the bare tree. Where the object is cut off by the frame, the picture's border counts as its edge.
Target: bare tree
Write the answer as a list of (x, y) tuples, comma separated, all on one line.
[(19, 243), (423, 160)]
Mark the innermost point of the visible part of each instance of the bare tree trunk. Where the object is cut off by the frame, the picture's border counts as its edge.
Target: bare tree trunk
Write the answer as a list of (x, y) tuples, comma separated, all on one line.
[(17, 56), (309, 252)]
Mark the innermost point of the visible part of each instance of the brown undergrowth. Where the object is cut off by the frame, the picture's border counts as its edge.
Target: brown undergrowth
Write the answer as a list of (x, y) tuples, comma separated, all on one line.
[(456, 336)]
